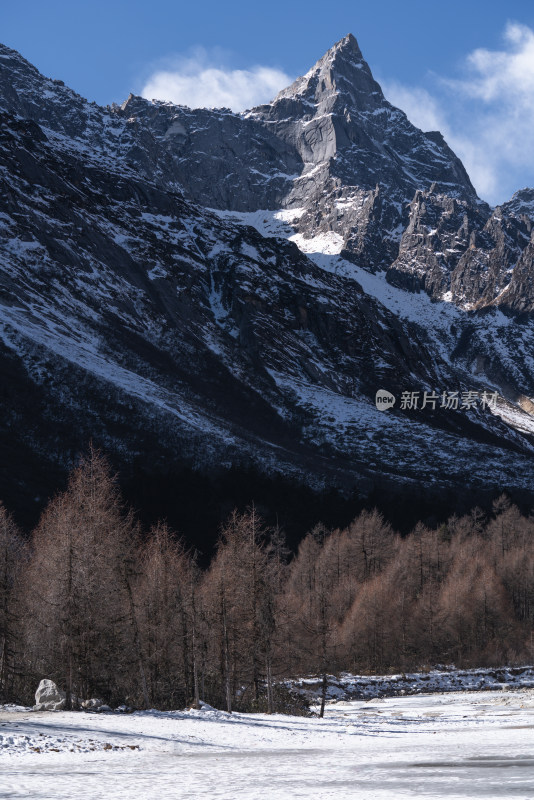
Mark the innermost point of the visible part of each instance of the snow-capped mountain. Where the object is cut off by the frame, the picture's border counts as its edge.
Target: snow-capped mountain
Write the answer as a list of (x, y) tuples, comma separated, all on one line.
[(208, 287), (330, 144)]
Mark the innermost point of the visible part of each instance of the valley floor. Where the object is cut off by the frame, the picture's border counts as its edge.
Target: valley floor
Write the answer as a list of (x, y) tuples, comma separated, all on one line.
[(453, 745)]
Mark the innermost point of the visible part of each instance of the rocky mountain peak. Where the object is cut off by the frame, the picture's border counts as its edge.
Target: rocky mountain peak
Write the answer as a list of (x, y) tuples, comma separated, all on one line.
[(342, 71), (521, 204), (348, 45)]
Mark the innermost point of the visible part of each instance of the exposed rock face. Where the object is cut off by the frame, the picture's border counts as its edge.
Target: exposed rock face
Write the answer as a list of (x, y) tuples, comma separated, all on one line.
[(48, 697), (463, 253), (330, 144), (518, 294), (220, 159), (134, 315), (521, 204), (363, 159)]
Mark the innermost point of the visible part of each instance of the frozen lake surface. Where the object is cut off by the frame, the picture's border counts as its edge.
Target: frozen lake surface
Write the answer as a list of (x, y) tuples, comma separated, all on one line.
[(456, 745)]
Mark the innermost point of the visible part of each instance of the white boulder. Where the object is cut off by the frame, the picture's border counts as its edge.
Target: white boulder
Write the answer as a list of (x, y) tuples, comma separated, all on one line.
[(48, 697)]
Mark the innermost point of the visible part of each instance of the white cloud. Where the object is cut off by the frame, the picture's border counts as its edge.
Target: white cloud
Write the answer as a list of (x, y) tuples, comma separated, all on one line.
[(487, 116), (198, 82), (503, 75)]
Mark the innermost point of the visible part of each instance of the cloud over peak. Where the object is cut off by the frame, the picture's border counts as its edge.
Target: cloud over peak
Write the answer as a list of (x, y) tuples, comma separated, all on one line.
[(199, 81)]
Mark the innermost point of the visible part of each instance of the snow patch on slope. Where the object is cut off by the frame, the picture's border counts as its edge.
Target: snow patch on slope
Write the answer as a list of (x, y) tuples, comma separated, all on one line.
[(441, 320)]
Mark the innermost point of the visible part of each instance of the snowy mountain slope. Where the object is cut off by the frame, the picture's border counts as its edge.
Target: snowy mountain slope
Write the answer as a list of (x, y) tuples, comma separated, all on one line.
[(490, 348), (259, 331)]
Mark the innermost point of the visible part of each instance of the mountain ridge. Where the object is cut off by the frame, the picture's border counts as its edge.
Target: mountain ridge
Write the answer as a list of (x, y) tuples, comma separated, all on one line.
[(188, 287)]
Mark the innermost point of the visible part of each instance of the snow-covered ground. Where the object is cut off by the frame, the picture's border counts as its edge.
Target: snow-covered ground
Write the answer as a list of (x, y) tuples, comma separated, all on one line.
[(455, 745)]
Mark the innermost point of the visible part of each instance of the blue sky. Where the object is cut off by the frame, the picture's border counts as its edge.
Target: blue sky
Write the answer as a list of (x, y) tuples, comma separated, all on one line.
[(465, 67)]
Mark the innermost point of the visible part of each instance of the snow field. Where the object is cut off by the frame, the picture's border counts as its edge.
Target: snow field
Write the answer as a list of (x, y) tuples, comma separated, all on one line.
[(454, 745)]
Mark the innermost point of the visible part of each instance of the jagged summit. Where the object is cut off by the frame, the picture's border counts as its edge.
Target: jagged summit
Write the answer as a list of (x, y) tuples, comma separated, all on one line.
[(338, 119), (341, 71), (348, 43), (522, 203)]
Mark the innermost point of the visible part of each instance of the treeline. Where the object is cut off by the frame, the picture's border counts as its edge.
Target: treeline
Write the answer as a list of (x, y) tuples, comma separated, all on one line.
[(108, 610)]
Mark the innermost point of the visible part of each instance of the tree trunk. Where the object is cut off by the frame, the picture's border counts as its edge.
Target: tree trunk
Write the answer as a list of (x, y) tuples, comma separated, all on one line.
[(136, 640), (323, 695), (226, 659), (270, 704)]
